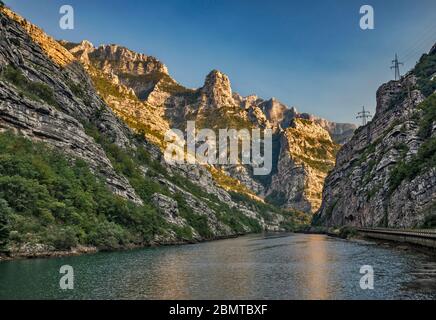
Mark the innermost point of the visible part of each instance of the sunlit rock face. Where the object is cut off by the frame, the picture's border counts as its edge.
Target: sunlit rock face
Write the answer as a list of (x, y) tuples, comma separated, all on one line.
[(217, 91), (125, 94), (148, 99), (384, 175), (40, 59), (140, 91), (307, 155), (87, 92)]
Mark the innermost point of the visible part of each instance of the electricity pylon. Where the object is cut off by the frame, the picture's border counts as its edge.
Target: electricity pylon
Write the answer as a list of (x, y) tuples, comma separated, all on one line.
[(396, 66), (364, 115)]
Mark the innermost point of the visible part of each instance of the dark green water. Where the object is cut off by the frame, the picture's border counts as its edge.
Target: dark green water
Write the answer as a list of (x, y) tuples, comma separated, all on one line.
[(285, 266)]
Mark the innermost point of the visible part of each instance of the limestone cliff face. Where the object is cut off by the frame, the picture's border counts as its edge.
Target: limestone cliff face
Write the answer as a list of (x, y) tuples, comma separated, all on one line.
[(59, 97), (281, 116), (120, 60), (59, 55), (216, 92), (137, 71), (26, 49), (151, 102), (110, 77), (278, 114), (386, 175), (307, 155), (339, 132)]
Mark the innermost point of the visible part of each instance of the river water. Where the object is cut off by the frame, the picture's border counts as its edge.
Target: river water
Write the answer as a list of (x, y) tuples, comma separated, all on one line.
[(269, 266)]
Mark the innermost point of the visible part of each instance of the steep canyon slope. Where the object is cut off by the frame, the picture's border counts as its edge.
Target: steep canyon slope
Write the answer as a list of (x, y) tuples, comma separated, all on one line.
[(385, 176), (73, 172)]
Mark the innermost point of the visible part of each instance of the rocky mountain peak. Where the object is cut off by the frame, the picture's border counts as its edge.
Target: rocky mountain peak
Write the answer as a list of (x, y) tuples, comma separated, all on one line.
[(216, 105), (116, 59), (123, 60), (278, 113), (87, 45), (136, 71), (217, 90), (248, 101), (81, 51), (217, 79)]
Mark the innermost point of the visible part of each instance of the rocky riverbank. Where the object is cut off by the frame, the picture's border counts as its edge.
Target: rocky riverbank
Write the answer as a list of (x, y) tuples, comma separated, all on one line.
[(41, 251)]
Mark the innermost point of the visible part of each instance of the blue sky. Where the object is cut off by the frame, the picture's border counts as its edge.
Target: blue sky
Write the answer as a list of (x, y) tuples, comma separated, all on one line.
[(308, 54)]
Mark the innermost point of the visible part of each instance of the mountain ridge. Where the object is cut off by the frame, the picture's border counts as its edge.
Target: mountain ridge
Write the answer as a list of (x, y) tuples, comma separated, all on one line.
[(224, 85), (167, 104), (86, 178)]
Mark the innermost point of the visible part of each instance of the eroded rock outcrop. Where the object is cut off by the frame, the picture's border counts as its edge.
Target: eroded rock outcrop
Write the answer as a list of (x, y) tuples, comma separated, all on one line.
[(307, 155), (217, 91), (151, 102), (82, 101), (386, 175), (53, 68)]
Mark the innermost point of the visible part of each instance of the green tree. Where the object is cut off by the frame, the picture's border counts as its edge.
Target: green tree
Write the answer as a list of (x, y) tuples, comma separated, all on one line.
[(5, 214)]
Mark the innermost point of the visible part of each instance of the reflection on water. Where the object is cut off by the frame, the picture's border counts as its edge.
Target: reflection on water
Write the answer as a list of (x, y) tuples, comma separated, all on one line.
[(278, 266), (313, 268)]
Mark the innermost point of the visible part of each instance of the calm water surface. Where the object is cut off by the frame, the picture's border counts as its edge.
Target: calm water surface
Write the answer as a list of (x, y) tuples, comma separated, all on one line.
[(279, 266)]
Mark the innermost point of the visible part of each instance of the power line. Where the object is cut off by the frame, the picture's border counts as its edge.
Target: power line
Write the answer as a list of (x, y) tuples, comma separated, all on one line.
[(420, 43), (419, 47), (364, 115), (429, 30)]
